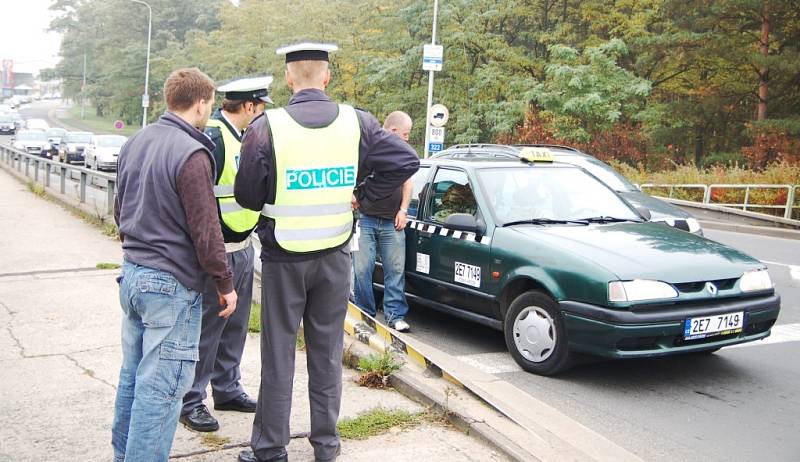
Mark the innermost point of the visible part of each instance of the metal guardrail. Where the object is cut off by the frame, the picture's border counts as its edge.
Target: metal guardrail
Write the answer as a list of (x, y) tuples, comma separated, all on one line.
[(788, 207), (23, 162)]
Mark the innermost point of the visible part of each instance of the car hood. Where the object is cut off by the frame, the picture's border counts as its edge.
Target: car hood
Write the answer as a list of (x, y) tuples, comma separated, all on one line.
[(76, 145), (33, 143), (659, 209), (645, 251)]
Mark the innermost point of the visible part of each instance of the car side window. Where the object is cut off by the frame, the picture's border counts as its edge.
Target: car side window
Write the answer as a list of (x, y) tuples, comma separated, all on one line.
[(418, 181), (450, 193)]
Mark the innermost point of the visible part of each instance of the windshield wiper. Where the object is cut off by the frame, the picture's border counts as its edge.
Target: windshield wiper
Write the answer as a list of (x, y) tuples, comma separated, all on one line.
[(545, 221), (607, 219)]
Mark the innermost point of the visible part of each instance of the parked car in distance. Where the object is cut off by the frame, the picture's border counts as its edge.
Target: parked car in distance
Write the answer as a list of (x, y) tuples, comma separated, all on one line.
[(7, 126), (73, 146), (54, 137), (103, 150), (19, 122), (31, 141), (36, 124)]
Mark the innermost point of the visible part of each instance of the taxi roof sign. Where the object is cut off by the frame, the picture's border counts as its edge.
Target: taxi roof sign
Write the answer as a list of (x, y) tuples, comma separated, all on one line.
[(536, 155)]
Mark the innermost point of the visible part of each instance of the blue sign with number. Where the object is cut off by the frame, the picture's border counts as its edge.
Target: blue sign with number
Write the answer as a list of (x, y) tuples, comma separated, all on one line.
[(435, 147)]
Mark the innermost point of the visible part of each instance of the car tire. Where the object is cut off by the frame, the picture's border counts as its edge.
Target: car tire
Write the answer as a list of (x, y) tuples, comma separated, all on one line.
[(535, 334)]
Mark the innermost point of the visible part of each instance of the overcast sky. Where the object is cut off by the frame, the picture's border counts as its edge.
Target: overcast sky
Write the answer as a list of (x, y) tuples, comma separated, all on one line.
[(23, 36)]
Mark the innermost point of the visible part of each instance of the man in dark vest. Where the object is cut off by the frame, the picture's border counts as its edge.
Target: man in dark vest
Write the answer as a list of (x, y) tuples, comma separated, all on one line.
[(222, 340), (299, 168), (167, 217)]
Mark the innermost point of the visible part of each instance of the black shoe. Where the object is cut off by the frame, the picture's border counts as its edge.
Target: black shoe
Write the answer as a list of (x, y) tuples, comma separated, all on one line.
[(241, 403), (200, 420), (248, 456)]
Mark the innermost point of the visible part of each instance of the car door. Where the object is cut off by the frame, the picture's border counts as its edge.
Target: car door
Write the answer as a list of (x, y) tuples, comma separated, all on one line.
[(451, 266)]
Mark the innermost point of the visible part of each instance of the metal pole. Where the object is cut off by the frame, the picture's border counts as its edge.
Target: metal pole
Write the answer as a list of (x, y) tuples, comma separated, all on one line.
[(430, 81), (83, 88), (146, 96)]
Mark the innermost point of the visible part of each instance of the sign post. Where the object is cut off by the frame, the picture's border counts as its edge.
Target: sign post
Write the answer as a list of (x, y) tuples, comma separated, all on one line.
[(433, 63)]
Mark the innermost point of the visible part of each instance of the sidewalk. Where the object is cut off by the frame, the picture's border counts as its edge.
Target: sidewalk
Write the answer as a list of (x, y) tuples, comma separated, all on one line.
[(60, 356)]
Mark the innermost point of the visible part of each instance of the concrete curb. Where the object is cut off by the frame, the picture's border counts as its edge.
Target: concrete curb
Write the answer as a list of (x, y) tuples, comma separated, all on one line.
[(770, 220), (412, 384), (531, 428)]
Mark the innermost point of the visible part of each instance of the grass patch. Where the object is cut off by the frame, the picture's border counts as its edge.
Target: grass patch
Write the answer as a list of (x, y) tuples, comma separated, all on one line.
[(213, 441), (93, 123), (36, 188), (300, 342), (106, 266), (254, 325), (377, 421), (376, 369)]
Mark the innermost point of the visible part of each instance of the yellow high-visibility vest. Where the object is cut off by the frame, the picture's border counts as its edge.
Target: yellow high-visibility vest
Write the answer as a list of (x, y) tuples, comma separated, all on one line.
[(315, 174), (232, 215)]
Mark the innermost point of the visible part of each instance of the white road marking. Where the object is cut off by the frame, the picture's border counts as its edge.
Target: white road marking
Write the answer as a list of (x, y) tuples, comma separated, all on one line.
[(492, 363), (794, 270), (780, 334)]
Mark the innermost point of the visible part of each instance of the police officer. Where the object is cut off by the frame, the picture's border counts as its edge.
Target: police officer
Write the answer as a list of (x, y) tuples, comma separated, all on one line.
[(222, 340), (299, 168)]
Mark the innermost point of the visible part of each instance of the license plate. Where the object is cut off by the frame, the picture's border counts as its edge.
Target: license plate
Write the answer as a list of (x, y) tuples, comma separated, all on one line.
[(709, 326)]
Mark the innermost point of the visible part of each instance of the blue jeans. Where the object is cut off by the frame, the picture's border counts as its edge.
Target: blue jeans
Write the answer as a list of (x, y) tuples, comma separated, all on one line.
[(379, 236), (160, 335)]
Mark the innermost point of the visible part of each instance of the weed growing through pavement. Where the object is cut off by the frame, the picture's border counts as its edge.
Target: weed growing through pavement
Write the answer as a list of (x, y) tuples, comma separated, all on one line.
[(254, 325), (213, 441), (107, 266), (376, 369), (36, 188), (377, 421)]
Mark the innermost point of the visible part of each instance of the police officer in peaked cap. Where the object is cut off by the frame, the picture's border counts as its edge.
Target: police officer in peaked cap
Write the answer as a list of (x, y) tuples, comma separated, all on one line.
[(300, 166), (222, 340)]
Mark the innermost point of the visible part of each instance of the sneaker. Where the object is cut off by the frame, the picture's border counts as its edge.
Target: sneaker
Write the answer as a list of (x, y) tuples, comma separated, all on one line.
[(401, 326)]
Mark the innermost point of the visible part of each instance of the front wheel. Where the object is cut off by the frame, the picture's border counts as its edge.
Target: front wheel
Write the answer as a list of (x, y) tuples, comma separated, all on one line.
[(535, 334)]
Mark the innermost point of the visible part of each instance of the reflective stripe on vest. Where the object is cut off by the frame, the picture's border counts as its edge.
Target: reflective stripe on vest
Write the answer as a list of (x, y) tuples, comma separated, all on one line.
[(233, 216), (315, 173)]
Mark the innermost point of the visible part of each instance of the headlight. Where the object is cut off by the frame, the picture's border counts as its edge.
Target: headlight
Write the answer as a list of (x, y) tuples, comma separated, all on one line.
[(72, 149), (694, 225), (755, 280), (639, 290), (46, 147)]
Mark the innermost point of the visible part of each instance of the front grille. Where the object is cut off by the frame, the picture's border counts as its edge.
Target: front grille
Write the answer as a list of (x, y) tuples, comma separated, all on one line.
[(699, 286)]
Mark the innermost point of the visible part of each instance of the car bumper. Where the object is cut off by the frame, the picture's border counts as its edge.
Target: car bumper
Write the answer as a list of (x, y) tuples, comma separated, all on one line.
[(8, 129), (75, 157), (107, 165), (613, 333)]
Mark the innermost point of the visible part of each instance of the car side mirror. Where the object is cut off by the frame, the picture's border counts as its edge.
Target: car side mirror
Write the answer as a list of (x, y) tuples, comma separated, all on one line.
[(644, 212), (462, 222)]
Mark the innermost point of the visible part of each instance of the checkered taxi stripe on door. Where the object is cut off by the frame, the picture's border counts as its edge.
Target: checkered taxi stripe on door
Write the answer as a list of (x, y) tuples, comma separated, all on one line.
[(447, 232)]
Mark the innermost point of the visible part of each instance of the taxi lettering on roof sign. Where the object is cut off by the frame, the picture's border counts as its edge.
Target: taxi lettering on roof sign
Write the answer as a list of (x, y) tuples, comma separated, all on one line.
[(536, 155)]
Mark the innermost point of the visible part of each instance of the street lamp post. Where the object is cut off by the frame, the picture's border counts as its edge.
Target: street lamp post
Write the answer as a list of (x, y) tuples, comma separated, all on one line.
[(145, 96)]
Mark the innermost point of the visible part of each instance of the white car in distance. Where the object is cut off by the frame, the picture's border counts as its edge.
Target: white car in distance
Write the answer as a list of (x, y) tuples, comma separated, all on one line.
[(102, 152)]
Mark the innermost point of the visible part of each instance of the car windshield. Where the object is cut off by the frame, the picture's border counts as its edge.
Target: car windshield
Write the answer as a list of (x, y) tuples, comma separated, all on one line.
[(602, 171), (4, 119), (110, 141), (78, 137), (533, 193), (32, 136), (56, 132)]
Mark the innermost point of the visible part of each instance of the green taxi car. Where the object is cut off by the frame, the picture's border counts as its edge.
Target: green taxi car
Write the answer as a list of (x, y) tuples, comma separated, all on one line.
[(559, 262)]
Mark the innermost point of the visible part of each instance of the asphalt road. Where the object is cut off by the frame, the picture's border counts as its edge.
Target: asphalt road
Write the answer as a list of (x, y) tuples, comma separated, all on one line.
[(740, 403)]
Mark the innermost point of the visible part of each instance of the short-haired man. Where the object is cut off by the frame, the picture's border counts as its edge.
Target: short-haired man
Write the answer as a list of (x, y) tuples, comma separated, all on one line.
[(381, 224), (166, 213), (299, 168), (222, 340)]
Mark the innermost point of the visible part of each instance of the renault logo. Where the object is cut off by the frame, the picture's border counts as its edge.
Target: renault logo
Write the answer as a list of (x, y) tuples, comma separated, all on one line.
[(712, 289)]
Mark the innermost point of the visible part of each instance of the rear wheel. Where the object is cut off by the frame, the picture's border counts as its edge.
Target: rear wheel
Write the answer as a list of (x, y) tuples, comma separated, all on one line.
[(535, 334)]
